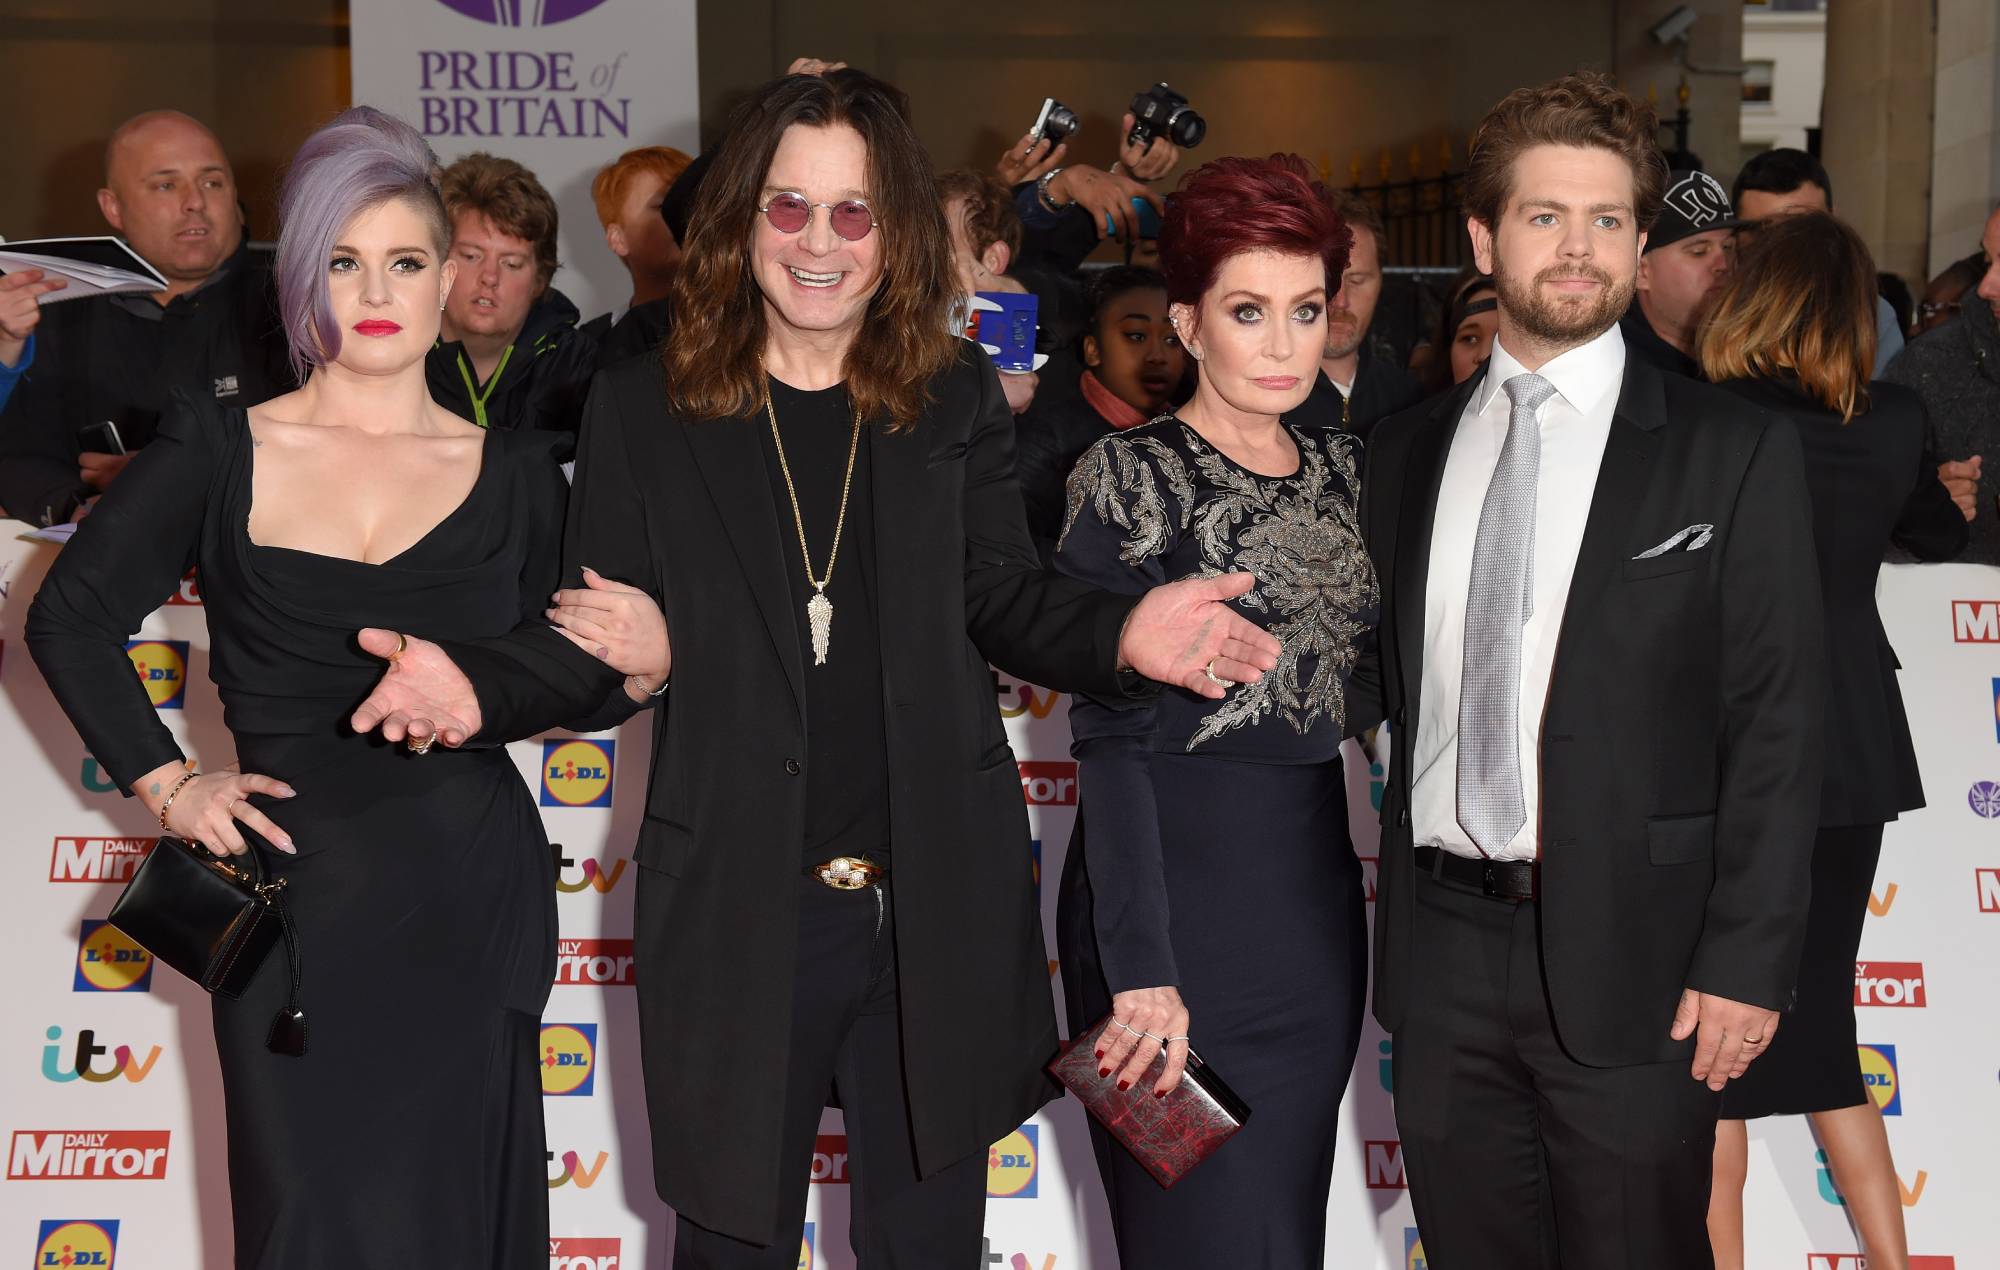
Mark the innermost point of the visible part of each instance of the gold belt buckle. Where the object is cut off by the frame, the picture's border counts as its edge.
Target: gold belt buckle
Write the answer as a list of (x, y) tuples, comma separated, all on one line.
[(846, 873)]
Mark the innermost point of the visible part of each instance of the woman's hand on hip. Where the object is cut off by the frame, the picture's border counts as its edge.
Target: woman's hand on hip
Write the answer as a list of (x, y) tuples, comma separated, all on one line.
[(207, 808), (1143, 1020), (619, 625)]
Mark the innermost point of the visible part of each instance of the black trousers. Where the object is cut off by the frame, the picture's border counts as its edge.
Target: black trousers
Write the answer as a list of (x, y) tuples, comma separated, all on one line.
[(1519, 1157), (846, 1019)]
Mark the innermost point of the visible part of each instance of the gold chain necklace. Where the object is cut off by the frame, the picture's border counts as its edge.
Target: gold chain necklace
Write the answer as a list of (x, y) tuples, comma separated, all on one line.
[(819, 609)]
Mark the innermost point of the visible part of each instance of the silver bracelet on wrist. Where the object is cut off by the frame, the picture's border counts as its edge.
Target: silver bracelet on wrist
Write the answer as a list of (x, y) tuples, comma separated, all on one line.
[(1042, 191), (639, 683)]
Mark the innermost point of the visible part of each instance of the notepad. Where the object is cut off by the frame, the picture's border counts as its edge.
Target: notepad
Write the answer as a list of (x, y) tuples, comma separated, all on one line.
[(101, 265)]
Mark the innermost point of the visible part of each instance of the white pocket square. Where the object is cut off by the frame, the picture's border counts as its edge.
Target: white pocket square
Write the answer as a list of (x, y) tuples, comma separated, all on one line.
[(1693, 538)]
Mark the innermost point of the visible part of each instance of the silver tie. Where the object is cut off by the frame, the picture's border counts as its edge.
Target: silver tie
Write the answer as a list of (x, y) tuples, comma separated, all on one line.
[(1498, 602)]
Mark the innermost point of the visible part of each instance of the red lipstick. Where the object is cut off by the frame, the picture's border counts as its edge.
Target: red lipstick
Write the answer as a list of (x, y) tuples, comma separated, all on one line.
[(377, 327)]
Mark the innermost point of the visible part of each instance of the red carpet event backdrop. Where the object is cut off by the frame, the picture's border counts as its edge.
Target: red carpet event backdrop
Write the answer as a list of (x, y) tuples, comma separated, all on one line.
[(111, 1105)]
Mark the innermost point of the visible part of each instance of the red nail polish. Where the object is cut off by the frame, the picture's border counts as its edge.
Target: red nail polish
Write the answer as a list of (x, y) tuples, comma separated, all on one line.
[(1104, 1071), (1159, 1093), (1124, 1085), (1100, 1053)]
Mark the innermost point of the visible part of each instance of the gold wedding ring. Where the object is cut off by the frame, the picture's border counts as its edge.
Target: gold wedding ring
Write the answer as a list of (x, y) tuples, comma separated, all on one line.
[(401, 645), (423, 746)]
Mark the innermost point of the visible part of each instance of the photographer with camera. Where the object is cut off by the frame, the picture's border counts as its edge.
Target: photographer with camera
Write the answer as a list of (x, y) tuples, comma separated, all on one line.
[(1067, 210)]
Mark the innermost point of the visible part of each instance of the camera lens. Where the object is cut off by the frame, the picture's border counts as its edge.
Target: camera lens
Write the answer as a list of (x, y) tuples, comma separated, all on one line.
[(1061, 123), (1186, 128)]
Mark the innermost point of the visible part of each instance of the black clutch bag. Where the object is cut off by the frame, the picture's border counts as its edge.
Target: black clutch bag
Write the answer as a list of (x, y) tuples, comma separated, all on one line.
[(214, 920)]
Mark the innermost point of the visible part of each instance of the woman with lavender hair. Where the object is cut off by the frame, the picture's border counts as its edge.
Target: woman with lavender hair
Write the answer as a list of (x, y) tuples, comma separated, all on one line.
[(419, 884)]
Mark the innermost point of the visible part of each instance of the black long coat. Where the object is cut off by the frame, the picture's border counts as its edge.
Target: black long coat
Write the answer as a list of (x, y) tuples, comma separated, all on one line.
[(684, 509)]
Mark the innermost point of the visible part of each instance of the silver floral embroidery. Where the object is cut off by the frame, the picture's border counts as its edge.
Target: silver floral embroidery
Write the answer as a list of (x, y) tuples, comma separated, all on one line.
[(1299, 534)]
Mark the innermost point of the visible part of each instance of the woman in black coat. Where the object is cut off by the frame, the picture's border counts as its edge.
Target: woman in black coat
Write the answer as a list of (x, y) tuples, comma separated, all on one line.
[(1794, 332)]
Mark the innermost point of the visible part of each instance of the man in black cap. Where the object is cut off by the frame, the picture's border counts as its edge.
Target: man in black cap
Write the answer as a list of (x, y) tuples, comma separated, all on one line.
[(1687, 257)]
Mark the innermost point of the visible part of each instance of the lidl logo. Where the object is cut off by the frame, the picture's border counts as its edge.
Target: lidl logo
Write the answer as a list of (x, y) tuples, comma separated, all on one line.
[(1048, 784), (577, 773), (1413, 1250), (590, 875), (1013, 1163), (574, 1171), (569, 1058), (1988, 883), (120, 1154), (830, 1158), (162, 668), (1879, 1074), (76, 1245), (1984, 799), (594, 962), (97, 859), (806, 1248), (1384, 1160), (108, 960), (83, 1060), (583, 1254), (1892, 983)]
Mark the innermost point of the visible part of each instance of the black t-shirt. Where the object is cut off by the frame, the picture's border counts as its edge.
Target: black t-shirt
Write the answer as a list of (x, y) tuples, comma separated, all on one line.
[(846, 764)]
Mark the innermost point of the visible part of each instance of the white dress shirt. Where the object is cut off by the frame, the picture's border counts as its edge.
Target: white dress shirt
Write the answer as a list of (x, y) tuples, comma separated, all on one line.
[(1575, 423)]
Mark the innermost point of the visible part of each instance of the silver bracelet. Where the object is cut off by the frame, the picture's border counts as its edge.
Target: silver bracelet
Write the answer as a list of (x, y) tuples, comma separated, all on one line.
[(660, 691), (1042, 191)]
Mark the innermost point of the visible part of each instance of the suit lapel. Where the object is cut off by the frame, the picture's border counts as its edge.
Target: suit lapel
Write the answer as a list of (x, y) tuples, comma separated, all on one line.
[(1622, 479), (731, 459), (1417, 515)]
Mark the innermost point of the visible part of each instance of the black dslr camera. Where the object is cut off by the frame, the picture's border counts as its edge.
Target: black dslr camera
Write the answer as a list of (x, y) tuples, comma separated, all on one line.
[(1057, 122), (1161, 110)]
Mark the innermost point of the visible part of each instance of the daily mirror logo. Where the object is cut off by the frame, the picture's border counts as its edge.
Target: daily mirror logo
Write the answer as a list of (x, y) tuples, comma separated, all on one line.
[(97, 859), (583, 1254), (594, 962), (87, 1155)]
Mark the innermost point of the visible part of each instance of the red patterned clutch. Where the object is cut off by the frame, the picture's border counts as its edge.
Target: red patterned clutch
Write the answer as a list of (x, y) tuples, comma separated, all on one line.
[(1168, 1135)]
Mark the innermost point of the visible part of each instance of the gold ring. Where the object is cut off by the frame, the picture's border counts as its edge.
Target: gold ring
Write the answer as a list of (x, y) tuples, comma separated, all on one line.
[(423, 746), (401, 645)]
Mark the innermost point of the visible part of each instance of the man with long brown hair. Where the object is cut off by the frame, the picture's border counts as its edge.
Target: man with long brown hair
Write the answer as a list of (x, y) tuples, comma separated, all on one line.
[(835, 889), (1603, 667)]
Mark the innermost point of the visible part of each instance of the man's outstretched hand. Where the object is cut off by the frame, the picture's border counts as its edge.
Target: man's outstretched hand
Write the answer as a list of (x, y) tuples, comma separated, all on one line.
[(423, 692), (1182, 631)]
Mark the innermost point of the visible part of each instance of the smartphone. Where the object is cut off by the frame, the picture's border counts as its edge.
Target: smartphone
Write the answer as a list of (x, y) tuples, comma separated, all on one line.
[(1142, 211), (100, 438)]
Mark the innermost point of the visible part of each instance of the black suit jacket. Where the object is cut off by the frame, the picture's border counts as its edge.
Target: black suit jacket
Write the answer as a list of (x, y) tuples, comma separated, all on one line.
[(683, 508), (1381, 389), (1680, 745), (1872, 484)]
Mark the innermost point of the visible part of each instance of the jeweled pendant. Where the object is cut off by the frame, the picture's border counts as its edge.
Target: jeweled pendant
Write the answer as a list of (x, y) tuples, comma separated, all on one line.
[(819, 614)]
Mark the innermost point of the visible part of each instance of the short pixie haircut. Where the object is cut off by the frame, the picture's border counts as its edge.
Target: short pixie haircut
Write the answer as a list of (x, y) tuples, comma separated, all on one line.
[(1229, 206), (361, 160), (1583, 109)]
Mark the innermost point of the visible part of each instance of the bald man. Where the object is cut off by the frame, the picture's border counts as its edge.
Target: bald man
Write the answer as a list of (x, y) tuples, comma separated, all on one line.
[(170, 193)]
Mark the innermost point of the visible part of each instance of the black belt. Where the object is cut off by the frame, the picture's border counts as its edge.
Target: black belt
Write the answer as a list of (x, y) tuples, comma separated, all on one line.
[(1512, 880)]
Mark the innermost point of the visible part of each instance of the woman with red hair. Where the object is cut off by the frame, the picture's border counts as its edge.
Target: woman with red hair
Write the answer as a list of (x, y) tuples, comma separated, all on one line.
[(1210, 895)]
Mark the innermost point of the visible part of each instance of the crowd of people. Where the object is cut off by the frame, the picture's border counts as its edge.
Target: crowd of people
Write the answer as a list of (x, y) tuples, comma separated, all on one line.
[(1660, 427)]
